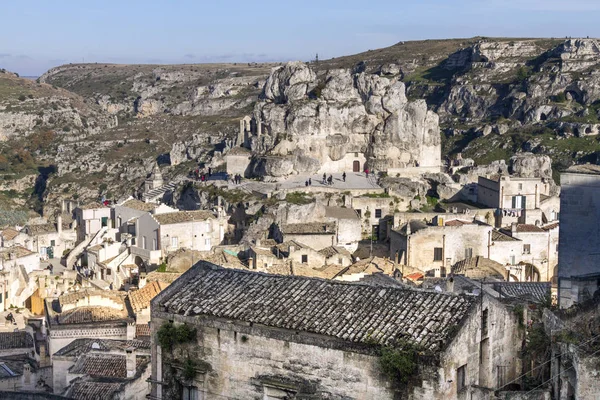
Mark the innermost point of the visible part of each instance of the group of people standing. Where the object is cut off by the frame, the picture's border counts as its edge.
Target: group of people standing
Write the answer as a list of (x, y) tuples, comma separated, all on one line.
[(236, 179), (203, 177)]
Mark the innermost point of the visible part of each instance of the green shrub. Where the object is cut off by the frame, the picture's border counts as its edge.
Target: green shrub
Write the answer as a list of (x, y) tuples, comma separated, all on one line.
[(399, 364), (22, 97), (298, 198), (162, 267), (169, 335), (561, 97)]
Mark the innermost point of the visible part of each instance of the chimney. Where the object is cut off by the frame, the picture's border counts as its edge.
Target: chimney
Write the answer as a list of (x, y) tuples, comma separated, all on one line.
[(59, 224), (513, 229), (130, 361)]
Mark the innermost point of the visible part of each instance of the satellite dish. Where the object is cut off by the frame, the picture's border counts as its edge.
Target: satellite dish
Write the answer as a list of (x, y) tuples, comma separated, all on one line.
[(437, 288), (95, 346)]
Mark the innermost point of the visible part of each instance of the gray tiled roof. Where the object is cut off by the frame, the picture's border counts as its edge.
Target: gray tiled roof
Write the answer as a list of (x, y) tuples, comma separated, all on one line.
[(93, 390), (183, 216), (85, 345), (351, 312), (309, 228), (105, 365), (529, 291), (15, 340)]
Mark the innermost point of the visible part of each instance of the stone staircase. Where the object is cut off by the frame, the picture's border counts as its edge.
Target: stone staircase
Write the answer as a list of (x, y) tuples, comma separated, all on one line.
[(157, 193)]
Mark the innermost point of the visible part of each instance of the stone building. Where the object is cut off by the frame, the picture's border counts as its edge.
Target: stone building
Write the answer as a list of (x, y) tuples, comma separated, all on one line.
[(436, 248), (529, 252), (316, 235), (90, 219), (7, 237), (578, 260), (159, 234), (125, 214), (348, 224), (516, 199), (21, 368), (101, 314), (50, 240), (154, 180), (94, 368), (372, 211), (238, 161), (323, 338)]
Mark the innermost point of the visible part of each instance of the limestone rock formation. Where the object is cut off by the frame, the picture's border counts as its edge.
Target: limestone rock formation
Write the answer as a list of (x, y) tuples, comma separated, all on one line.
[(309, 125), (528, 165)]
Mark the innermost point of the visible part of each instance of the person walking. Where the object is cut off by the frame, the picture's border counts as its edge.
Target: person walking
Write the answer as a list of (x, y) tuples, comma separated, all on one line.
[(331, 179), (344, 177), (309, 182), (324, 178), (306, 183), (367, 172)]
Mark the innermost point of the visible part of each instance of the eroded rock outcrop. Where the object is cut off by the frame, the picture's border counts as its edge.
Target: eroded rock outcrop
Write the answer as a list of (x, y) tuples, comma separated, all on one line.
[(329, 125)]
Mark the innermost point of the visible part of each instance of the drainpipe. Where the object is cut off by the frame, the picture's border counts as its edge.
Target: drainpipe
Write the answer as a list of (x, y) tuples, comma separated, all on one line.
[(489, 253), (444, 251)]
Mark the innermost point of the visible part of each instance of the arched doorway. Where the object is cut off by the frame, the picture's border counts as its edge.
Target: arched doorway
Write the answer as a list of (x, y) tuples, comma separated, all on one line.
[(356, 166)]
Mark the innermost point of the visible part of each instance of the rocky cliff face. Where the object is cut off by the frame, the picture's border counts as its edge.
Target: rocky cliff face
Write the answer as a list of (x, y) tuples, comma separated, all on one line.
[(312, 124)]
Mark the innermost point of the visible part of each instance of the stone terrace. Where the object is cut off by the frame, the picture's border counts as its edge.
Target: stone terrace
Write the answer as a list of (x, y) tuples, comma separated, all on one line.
[(351, 312)]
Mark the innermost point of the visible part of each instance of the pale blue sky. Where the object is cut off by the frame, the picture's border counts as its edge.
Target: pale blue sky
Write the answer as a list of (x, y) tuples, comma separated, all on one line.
[(36, 35)]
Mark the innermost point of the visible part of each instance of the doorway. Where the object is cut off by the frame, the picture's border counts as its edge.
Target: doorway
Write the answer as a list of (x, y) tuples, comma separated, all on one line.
[(356, 166)]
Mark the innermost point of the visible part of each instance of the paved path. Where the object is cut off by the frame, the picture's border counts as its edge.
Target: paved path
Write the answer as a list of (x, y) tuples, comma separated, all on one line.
[(354, 181)]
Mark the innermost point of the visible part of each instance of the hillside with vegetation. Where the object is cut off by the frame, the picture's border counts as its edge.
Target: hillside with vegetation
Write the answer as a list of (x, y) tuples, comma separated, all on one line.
[(86, 130)]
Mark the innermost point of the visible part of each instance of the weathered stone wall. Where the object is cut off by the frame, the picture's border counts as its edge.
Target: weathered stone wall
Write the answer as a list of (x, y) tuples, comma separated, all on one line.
[(452, 239), (317, 242), (242, 361), (483, 354), (579, 232)]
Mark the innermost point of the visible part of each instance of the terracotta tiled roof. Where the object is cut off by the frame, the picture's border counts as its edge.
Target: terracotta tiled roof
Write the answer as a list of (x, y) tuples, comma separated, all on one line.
[(457, 222), (498, 236), (183, 216), (85, 390), (86, 345), (350, 312), (139, 205), (309, 228), (334, 251), (528, 228), (479, 267), (75, 297), (140, 299), (82, 315), (415, 276), (142, 330), (166, 277), (41, 229), (91, 206), (104, 365), (550, 226), (15, 340), (19, 251), (9, 233)]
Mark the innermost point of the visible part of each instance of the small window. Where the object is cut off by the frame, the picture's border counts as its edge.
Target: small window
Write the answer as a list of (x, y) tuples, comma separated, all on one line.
[(469, 252), (520, 186), (190, 393), (461, 378), (378, 213), (174, 242), (437, 254), (340, 261), (484, 323), (52, 243), (526, 249), (359, 212), (207, 242), (119, 222), (108, 272), (304, 259), (104, 221)]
